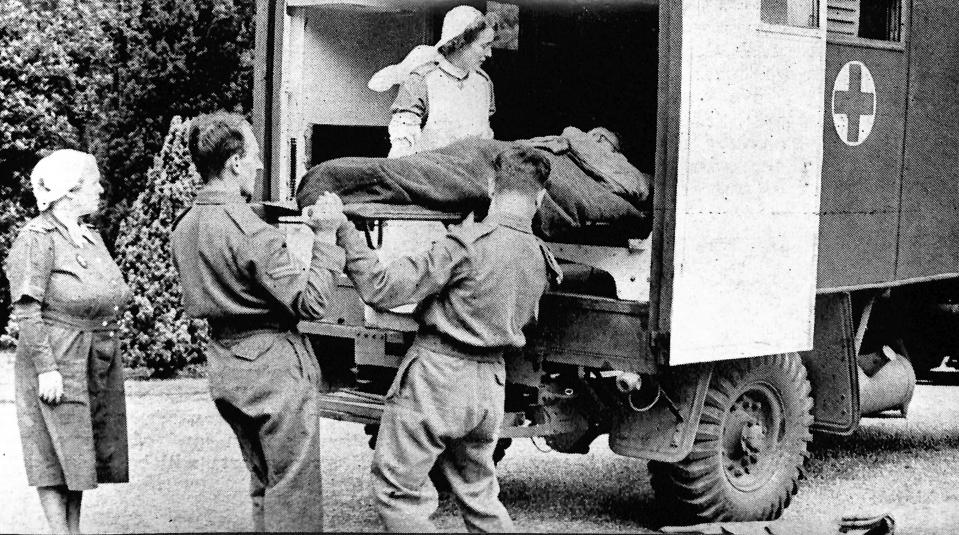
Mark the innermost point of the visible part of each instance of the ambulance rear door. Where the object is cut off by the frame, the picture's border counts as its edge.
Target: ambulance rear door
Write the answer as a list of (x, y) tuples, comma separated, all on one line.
[(739, 169)]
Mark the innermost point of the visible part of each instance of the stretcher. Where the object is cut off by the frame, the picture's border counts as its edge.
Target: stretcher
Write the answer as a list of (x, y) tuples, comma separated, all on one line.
[(395, 230)]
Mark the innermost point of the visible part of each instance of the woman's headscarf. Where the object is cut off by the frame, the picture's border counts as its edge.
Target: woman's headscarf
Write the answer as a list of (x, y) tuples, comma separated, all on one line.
[(58, 173)]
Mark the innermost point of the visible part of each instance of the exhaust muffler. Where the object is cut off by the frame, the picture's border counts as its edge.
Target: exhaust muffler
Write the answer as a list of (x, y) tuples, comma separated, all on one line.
[(641, 393), (886, 381)]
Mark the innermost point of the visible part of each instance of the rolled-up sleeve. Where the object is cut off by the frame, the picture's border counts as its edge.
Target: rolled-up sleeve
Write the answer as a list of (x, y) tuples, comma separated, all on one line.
[(302, 291), (412, 98), (406, 280)]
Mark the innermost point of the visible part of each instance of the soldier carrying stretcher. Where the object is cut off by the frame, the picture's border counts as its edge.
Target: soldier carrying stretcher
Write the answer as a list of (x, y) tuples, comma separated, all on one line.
[(476, 290)]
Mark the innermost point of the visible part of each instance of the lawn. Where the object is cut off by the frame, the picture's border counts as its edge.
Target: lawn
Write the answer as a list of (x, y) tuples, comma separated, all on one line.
[(187, 474)]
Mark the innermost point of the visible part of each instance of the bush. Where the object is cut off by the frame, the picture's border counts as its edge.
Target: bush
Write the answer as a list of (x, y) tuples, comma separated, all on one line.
[(155, 333)]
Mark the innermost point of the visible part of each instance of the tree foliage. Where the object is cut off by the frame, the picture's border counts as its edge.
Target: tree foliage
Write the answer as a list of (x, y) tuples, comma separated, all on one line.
[(168, 58), (155, 333), (51, 69)]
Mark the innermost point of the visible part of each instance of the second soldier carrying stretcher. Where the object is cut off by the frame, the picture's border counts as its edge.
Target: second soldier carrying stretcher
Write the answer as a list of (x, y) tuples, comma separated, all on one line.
[(476, 289)]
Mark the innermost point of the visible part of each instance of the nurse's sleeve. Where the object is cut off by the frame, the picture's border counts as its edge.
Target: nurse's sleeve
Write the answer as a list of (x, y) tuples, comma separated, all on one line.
[(28, 267), (409, 110)]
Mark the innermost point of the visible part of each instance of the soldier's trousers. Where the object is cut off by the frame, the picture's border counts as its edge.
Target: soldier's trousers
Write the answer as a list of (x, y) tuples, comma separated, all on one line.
[(440, 403), (265, 387)]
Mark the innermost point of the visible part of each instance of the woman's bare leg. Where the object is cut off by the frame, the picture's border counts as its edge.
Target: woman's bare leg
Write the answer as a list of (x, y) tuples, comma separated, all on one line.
[(53, 500), (74, 497)]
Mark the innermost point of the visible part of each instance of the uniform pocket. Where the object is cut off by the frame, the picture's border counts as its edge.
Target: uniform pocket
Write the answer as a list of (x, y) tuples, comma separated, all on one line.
[(500, 376), (401, 374), (252, 347)]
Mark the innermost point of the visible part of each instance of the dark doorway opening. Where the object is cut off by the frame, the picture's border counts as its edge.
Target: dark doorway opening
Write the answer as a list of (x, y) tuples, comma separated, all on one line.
[(581, 65), (335, 141)]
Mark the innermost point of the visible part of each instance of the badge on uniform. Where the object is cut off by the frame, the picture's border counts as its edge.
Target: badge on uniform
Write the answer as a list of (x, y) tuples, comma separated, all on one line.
[(82, 261)]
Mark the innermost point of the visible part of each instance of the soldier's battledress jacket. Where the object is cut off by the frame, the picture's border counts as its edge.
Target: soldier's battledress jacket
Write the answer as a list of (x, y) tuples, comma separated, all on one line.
[(237, 272), (82, 440), (236, 269), (467, 286)]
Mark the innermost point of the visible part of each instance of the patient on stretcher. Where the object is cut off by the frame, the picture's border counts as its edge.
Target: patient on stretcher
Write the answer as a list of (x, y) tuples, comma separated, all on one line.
[(598, 152), (592, 186)]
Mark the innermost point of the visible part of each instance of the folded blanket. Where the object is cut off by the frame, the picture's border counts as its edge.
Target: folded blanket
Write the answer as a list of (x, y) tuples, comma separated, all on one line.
[(455, 178)]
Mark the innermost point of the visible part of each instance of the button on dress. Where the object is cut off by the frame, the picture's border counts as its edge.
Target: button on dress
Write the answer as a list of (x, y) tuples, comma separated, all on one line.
[(82, 440)]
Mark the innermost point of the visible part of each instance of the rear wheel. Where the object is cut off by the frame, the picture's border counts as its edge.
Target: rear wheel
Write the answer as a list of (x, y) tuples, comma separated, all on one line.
[(750, 446)]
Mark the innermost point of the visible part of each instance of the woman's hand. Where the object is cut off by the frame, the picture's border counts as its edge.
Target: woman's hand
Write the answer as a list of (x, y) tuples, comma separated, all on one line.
[(50, 388)]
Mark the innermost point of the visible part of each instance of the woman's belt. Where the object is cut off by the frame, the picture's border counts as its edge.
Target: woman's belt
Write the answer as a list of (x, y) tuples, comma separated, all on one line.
[(105, 323)]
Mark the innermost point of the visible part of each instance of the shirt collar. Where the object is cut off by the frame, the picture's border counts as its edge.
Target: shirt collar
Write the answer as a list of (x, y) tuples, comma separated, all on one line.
[(452, 70), (85, 231), (513, 221), (219, 191)]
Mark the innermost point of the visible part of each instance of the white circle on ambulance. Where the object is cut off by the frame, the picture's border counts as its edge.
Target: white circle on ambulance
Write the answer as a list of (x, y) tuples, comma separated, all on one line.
[(854, 103)]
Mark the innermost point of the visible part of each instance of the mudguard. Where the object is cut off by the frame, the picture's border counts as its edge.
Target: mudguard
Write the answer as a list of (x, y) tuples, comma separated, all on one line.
[(658, 434), (831, 366)]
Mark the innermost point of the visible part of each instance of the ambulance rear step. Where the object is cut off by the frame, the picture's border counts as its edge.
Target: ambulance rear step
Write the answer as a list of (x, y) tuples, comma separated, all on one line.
[(352, 405)]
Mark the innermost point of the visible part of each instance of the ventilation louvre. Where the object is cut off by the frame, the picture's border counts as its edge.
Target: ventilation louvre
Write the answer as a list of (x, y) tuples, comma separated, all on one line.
[(842, 17)]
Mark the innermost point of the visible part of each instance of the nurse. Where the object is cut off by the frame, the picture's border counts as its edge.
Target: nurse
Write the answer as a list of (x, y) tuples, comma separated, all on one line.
[(67, 295), (449, 97)]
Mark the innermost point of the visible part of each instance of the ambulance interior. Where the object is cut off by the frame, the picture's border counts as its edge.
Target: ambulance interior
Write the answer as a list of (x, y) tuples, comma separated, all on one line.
[(581, 64)]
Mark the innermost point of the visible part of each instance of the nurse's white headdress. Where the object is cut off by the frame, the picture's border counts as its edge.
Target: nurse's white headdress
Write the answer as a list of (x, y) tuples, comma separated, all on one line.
[(58, 173), (456, 21)]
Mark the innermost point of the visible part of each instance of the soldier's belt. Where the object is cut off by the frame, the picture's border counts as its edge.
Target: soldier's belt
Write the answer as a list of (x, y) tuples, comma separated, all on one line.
[(446, 345), (242, 326)]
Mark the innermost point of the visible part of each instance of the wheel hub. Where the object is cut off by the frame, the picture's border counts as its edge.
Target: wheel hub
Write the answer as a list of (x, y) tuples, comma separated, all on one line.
[(751, 437)]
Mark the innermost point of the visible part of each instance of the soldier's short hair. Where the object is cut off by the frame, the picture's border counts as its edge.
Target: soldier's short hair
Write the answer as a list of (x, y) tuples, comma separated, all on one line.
[(215, 137), (522, 170)]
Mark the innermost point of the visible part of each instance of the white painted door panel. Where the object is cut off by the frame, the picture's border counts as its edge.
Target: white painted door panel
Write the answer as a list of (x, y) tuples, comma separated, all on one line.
[(748, 177)]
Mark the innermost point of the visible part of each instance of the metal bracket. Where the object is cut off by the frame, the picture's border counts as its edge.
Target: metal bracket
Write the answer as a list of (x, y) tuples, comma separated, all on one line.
[(368, 227), (659, 346)]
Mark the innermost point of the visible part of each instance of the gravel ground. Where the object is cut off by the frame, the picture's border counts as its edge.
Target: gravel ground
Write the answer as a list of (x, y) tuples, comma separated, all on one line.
[(188, 475)]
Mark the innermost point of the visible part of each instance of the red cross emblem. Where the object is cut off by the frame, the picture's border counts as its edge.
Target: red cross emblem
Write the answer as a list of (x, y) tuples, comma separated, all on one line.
[(854, 103)]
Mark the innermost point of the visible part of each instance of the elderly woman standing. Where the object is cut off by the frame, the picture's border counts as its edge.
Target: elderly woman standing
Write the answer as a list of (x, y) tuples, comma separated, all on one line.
[(67, 293)]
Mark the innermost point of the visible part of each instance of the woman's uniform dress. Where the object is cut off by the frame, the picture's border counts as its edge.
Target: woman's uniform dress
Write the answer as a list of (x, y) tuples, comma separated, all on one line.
[(82, 440)]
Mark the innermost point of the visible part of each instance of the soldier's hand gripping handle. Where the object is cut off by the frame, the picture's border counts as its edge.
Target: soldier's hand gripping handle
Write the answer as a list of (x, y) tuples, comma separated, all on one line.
[(326, 215)]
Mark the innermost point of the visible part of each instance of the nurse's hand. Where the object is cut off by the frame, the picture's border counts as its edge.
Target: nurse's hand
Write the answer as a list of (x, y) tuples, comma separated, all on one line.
[(50, 387)]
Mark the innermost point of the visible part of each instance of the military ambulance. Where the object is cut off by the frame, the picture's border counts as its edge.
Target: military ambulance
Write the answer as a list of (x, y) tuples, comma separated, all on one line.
[(803, 258)]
